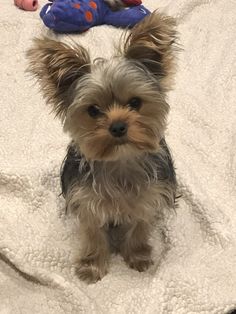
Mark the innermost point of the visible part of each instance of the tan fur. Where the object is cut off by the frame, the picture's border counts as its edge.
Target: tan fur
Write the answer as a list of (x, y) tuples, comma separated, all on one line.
[(152, 42), (135, 248), (108, 203), (121, 187), (146, 127), (93, 263), (96, 142), (57, 66)]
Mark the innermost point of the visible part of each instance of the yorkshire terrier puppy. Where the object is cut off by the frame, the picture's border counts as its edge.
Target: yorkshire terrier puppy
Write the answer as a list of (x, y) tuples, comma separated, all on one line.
[(118, 175)]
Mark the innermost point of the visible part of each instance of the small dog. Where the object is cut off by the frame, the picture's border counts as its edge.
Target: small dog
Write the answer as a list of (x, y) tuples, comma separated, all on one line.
[(118, 174)]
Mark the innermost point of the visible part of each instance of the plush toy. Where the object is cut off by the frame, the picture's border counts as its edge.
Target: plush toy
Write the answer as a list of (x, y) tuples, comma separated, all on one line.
[(66, 16)]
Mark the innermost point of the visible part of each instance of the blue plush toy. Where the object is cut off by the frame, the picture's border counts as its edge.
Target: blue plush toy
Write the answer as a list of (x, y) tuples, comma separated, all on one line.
[(66, 16)]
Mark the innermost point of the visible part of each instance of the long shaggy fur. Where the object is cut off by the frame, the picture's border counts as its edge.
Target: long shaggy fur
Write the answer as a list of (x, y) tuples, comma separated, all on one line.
[(153, 43), (57, 66), (116, 185), (110, 190), (102, 87)]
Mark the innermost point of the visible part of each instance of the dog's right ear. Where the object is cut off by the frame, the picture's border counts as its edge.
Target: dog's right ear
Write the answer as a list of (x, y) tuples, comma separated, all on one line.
[(152, 42), (57, 67)]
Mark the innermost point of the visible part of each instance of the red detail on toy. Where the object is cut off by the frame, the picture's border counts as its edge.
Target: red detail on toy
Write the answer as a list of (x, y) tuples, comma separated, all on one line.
[(132, 2), (88, 16), (28, 5), (93, 5), (76, 6)]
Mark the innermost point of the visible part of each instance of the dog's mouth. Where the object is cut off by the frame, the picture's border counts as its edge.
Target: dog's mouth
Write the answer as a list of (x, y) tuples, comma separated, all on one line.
[(121, 141), (114, 148)]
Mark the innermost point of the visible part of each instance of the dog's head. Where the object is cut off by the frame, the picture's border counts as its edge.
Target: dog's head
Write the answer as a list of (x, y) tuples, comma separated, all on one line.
[(112, 108)]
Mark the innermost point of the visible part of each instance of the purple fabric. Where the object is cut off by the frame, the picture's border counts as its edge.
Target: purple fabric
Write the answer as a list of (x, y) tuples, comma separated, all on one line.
[(66, 16)]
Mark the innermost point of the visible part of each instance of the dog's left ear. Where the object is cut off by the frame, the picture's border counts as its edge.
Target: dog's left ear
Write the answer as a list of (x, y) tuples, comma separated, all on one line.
[(57, 67), (152, 43)]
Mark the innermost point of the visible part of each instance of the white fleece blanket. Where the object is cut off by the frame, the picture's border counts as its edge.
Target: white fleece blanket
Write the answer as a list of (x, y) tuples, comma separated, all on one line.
[(37, 240)]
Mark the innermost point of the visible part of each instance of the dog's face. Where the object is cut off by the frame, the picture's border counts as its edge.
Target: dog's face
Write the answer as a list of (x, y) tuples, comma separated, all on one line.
[(117, 111), (115, 108)]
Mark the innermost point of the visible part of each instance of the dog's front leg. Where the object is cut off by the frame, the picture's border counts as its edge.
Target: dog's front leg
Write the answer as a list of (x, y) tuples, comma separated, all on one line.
[(94, 255), (135, 248)]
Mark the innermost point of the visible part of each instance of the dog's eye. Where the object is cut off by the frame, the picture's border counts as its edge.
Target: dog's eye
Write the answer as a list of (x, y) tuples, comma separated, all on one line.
[(135, 103), (93, 111)]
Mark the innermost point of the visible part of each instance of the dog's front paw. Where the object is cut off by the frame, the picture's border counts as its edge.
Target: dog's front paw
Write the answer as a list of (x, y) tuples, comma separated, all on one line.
[(90, 272), (140, 265), (139, 258)]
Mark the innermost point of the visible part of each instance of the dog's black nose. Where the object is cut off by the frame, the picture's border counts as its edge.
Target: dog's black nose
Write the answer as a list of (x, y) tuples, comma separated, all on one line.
[(118, 129)]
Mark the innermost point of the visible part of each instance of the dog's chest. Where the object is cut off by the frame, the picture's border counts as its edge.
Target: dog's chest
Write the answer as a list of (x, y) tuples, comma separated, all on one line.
[(122, 194), (117, 192), (119, 180)]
